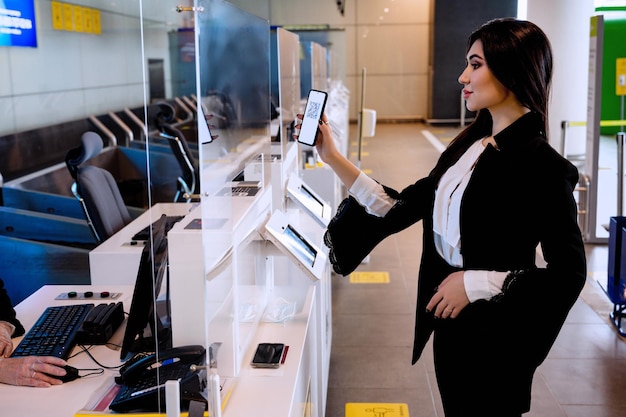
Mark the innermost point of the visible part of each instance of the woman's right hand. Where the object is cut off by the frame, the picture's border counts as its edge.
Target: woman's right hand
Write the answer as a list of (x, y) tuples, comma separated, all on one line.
[(328, 152), (324, 143)]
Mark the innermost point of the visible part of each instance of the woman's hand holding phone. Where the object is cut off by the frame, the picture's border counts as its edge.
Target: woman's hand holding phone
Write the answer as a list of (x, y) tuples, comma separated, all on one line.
[(312, 117), (324, 143), (319, 134)]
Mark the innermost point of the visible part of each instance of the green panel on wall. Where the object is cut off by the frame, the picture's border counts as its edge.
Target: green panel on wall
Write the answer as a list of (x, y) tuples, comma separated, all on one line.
[(614, 48)]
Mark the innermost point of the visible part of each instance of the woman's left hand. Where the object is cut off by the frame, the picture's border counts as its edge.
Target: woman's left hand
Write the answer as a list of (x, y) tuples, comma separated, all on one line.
[(450, 297)]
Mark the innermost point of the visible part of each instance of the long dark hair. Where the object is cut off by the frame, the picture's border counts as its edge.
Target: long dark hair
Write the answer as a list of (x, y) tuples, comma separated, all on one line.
[(519, 55)]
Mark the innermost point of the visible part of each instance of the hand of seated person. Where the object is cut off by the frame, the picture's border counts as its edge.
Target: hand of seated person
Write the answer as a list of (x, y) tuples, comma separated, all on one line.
[(6, 344), (31, 371)]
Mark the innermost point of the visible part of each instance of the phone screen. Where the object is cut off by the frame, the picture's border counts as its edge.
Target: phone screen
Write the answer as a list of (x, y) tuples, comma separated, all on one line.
[(312, 115)]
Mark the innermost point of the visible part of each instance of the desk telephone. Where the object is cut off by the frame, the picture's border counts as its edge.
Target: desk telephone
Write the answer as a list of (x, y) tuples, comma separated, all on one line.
[(143, 378)]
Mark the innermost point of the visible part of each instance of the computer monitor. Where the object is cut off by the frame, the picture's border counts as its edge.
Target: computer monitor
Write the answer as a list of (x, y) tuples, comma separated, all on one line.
[(143, 316)]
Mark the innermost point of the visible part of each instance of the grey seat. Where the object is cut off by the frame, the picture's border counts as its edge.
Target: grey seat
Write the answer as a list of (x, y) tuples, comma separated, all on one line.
[(96, 189)]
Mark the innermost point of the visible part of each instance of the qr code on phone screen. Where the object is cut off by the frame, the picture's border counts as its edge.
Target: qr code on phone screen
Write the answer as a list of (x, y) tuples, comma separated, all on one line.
[(314, 109)]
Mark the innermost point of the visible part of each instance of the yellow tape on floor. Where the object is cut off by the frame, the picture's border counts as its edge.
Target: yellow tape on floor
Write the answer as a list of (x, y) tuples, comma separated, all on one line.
[(376, 410), (369, 277)]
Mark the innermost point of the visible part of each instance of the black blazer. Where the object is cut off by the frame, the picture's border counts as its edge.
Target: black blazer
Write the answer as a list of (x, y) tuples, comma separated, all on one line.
[(7, 313), (520, 195)]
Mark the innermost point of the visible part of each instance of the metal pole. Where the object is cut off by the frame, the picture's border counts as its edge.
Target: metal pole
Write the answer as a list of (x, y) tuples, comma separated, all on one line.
[(620, 172), (564, 127), (360, 120), (463, 109)]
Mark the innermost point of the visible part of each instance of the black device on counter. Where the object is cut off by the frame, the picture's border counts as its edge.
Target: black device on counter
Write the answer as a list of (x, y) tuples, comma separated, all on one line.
[(170, 221), (100, 324), (143, 379), (268, 355)]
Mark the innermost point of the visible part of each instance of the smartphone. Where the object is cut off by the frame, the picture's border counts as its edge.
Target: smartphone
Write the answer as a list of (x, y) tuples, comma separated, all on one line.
[(312, 114), (268, 355)]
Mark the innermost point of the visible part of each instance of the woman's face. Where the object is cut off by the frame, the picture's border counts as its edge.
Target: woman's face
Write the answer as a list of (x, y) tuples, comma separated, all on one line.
[(481, 88)]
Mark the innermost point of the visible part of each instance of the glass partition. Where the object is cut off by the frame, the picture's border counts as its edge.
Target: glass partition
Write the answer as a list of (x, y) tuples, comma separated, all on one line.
[(178, 92), (286, 93), (319, 61), (234, 98)]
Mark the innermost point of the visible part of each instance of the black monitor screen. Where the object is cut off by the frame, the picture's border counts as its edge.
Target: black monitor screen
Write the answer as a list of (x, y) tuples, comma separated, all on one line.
[(142, 314)]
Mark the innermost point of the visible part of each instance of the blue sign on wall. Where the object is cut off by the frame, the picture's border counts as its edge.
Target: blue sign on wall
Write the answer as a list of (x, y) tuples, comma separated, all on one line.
[(17, 23)]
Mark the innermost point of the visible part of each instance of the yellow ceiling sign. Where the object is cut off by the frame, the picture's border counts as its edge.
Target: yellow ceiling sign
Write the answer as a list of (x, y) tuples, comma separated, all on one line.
[(79, 18), (72, 18), (57, 15), (68, 18), (95, 16)]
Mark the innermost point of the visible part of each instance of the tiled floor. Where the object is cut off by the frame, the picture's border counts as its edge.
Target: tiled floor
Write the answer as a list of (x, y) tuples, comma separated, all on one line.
[(583, 376)]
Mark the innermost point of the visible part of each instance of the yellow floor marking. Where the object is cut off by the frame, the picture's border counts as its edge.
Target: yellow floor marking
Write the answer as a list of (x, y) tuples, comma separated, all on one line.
[(367, 171), (369, 277), (376, 410), (363, 153)]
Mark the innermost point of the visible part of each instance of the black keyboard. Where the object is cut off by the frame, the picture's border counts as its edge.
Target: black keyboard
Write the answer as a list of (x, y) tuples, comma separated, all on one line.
[(54, 333)]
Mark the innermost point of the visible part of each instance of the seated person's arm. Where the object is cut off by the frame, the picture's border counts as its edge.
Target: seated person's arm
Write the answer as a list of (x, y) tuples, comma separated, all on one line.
[(32, 371), (6, 333)]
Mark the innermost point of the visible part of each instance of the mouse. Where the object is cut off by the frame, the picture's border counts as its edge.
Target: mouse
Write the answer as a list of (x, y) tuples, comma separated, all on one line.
[(71, 374)]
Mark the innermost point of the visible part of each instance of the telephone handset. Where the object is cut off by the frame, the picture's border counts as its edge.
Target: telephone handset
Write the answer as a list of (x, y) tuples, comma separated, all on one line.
[(100, 324), (143, 379), (146, 363)]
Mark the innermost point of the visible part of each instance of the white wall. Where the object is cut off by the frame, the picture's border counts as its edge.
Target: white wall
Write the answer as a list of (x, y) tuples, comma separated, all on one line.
[(73, 75), (390, 39), (566, 24)]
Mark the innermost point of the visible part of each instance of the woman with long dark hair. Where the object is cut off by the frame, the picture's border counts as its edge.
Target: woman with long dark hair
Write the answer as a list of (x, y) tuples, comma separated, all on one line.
[(497, 193)]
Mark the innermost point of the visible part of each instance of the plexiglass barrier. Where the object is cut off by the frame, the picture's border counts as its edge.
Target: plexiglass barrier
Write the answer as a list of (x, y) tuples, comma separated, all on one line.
[(233, 50), (197, 134)]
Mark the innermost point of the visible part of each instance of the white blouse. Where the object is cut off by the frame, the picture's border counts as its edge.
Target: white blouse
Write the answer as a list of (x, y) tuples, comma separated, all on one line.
[(446, 220)]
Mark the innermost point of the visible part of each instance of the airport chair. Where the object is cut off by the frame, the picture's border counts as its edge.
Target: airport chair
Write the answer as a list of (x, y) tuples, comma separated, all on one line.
[(188, 184), (96, 189)]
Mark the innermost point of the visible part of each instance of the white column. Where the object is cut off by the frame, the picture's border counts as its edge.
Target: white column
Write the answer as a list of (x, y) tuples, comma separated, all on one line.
[(566, 23)]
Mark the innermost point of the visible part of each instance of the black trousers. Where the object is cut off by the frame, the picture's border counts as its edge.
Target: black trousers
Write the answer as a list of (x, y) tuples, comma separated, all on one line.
[(480, 369)]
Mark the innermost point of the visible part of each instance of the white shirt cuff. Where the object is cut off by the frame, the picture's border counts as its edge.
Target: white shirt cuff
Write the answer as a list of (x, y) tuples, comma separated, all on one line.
[(483, 285), (371, 195)]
